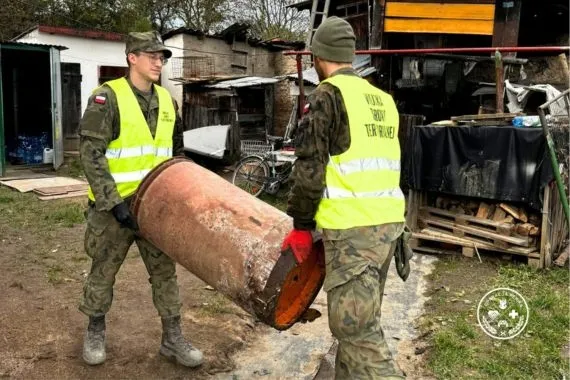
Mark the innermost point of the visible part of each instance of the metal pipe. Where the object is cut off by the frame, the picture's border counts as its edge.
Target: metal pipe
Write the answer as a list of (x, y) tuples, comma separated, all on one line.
[(514, 49), (301, 85), (229, 239), (552, 153)]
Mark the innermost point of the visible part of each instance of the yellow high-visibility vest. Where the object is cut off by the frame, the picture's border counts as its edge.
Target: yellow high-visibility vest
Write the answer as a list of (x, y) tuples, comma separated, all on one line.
[(362, 185), (135, 153)]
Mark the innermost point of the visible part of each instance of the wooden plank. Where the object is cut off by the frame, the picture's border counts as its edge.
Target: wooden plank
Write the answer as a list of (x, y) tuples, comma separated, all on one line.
[(487, 116), (416, 246), (449, 26), (72, 194), (498, 239), (442, 11), (465, 219), (548, 256), (563, 257), (26, 185), (445, 1), (377, 25), (545, 228), (506, 25), (431, 234), (413, 207), (57, 190)]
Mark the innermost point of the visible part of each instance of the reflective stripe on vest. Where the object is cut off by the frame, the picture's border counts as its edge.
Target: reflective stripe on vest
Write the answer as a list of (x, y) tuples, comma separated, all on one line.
[(138, 151), (362, 184), (126, 177), (366, 164), (135, 152), (337, 193)]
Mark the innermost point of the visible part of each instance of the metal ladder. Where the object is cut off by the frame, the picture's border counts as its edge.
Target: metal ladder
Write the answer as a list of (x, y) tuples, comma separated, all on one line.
[(314, 12)]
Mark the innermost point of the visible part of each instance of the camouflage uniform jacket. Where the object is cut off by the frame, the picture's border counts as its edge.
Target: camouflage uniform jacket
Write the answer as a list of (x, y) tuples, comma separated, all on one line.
[(99, 126), (323, 131)]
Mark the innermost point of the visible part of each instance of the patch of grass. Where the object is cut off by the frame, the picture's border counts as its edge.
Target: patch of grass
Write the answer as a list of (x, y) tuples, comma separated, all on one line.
[(25, 212), (68, 214), (54, 274), (6, 199), (461, 350)]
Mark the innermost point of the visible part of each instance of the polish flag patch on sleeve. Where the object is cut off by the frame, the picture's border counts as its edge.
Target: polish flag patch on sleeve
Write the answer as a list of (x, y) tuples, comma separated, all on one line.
[(99, 99)]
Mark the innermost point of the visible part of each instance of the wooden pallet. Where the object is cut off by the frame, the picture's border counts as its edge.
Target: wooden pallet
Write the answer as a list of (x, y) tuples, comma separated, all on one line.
[(420, 242), (475, 234), (438, 236), (480, 230), (537, 257)]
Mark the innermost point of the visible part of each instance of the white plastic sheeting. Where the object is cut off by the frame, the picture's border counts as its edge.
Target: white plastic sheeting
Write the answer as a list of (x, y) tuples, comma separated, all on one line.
[(208, 141)]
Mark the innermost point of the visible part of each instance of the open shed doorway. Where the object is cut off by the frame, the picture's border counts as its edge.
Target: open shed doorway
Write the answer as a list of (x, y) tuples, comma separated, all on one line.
[(30, 105)]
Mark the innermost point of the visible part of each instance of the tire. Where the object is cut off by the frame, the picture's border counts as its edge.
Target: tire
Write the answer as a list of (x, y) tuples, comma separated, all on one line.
[(251, 175)]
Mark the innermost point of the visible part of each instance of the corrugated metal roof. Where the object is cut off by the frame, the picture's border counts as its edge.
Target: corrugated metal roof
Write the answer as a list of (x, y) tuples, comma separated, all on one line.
[(14, 43), (361, 64), (243, 82)]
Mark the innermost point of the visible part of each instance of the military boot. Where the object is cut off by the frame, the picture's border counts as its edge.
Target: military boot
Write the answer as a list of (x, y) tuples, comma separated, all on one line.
[(175, 346), (94, 343)]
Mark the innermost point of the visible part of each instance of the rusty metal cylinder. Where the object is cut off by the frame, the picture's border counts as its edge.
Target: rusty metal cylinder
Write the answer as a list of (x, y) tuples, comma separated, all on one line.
[(229, 239)]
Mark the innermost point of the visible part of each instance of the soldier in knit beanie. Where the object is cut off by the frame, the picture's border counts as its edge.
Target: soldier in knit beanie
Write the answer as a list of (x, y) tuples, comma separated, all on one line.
[(345, 183), (334, 42)]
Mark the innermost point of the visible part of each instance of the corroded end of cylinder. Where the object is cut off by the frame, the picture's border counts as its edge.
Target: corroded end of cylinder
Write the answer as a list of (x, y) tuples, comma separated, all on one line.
[(299, 288), (139, 195)]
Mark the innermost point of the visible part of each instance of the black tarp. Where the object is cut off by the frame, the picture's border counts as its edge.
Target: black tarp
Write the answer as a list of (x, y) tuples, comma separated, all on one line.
[(499, 163)]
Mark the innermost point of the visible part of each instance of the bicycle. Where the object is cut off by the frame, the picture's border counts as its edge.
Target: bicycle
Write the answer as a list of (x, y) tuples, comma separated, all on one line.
[(263, 168)]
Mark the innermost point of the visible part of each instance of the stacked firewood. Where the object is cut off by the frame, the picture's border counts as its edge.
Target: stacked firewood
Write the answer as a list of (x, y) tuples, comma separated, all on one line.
[(488, 225), (522, 222)]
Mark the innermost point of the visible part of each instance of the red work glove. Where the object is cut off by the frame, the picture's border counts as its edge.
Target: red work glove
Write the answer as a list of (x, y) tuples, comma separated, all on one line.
[(300, 242)]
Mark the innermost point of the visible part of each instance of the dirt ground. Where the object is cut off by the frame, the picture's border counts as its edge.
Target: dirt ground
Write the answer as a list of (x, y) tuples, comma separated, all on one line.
[(41, 329)]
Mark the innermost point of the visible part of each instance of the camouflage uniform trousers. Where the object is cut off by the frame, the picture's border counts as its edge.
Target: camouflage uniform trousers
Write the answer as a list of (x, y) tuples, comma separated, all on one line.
[(357, 262), (107, 243)]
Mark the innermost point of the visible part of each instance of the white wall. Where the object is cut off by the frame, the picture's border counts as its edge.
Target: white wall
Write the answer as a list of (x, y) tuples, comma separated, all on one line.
[(89, 53), (175, 88)]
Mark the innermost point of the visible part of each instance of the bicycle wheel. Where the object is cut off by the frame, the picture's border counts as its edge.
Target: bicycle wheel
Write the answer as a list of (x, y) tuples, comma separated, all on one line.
[(251, 174)]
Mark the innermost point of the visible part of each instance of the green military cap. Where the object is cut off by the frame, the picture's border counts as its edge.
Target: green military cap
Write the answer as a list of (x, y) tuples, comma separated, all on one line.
[(146, 41)]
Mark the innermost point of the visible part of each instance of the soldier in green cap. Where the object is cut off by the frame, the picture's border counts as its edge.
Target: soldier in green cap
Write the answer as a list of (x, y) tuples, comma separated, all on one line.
[(130, 126), (346, 184)]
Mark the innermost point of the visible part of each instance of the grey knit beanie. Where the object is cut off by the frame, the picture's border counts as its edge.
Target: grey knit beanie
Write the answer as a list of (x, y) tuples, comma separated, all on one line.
[(334, 41)]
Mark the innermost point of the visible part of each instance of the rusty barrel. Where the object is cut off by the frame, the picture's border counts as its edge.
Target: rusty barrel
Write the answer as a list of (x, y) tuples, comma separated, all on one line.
[(229, 239)]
